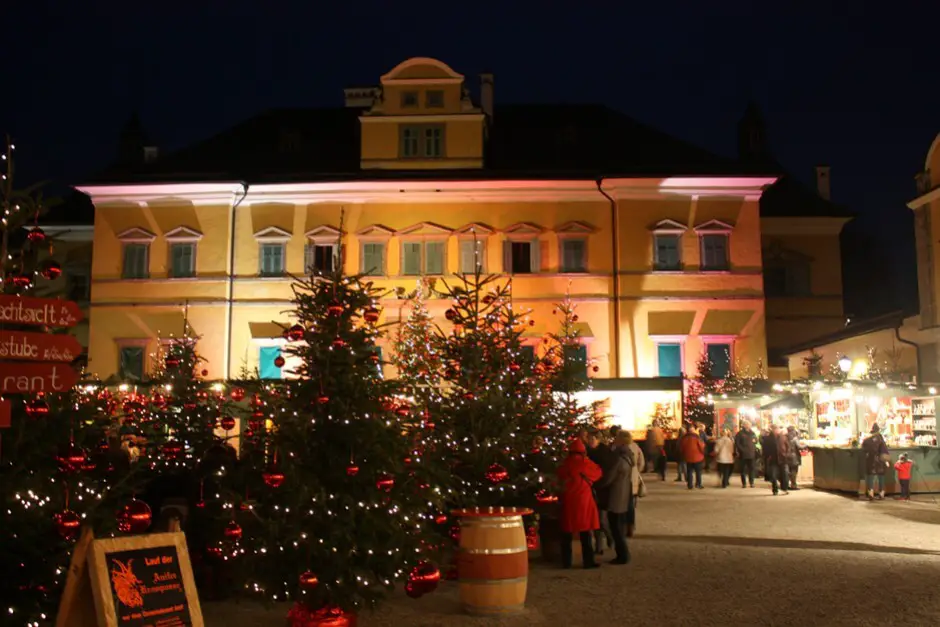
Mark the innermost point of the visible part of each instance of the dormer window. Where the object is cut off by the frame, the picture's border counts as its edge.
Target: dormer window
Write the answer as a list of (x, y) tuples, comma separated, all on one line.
[(272, 251), (181, 252), (409, 99), (434, 99), (135, 257), (714, 238), (667, 245)]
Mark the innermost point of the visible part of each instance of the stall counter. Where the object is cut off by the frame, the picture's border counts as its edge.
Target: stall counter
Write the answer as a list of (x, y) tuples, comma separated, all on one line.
[(843, 469)]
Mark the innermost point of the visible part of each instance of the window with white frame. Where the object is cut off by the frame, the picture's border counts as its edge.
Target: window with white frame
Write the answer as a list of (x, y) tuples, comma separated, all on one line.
[(714, 238), (573, 246), (181, 252), (667, 245), (422, 258), (522, 249), (421, 141), (131, 354), (721, 355), (373, 247), (272, 251), (669, 359), (135, 253), (321, 253), (472, 256)]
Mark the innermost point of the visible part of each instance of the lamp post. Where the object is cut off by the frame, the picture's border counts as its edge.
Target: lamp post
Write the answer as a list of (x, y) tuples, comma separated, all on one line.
[(845, 364)]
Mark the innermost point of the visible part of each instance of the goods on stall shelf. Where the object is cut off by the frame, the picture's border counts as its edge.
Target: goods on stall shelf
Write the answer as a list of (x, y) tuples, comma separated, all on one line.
[(925, 421)]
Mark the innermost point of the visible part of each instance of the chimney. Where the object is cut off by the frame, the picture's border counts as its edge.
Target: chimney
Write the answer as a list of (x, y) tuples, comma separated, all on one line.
[(486, 94), (151, 153), (822, 182)]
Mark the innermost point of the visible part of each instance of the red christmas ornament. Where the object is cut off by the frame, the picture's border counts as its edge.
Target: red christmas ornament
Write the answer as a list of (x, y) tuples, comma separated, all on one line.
[(71, 458), (374, 358), (171, 361), (542, 425), (67, 524), (469, 396), (279, 361), (385, 482), (296, 333), (255, 425), (544, 496), (440, 518), (258, 414), (532, 538), (531, 323), (50, 270), (300, 615), (574, 318), (227, 423), (496, 473), (450, 314), (232, 531), (371, 315), (596, 369), (172, 449), (423, 579), (37, 408), (135, 517), (36, 235), (335, 309), (22, 280), (205, 373), (238, 394), (403, 410), (338, 344), (514, 367), (352, 470), (273, 478), (308, 581), (323, 399), (388, 404)]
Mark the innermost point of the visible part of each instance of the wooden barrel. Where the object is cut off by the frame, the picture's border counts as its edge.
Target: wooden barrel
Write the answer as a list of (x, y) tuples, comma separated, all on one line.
[(493, 561)]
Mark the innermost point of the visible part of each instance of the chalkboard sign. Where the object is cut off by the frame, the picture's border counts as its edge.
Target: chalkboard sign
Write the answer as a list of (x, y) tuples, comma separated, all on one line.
[(135, 581), (147, 587)]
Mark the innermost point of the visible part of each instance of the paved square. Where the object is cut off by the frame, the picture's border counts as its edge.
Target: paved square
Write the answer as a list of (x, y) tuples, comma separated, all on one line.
[(718, 557)]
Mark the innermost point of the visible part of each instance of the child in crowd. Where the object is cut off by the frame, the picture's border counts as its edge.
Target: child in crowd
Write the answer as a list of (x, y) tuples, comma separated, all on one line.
[(903, 468)]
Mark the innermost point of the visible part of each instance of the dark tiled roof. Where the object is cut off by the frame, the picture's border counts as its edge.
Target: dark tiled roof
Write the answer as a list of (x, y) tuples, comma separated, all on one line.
[(69, 208), (538, 141), (789, 198), (862, 327)]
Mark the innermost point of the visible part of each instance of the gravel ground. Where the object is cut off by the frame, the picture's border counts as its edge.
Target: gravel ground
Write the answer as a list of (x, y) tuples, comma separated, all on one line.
[(718, 557)]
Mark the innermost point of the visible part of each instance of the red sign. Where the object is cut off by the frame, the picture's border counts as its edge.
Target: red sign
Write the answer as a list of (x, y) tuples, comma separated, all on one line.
[(50, 312), (36, 377), (38, 346)]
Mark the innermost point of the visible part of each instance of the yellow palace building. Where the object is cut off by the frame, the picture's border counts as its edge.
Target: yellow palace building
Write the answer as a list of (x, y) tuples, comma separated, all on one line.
[(657, 241)]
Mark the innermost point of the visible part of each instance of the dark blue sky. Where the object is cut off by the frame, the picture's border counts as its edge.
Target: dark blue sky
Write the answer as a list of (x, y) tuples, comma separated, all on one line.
[(853, 84)]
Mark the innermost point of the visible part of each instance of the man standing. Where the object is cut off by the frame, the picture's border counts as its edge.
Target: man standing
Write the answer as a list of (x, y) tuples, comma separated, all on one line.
[(692, 450), (745, 449), (655, 440), (601, 454), (776, 454), (795, 459)]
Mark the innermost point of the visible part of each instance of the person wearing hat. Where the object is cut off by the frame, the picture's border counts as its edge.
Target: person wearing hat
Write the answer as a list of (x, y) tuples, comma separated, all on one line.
[(877, 459), (578, 508)]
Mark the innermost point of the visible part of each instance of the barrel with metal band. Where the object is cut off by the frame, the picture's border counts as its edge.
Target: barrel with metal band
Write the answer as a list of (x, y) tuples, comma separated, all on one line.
[(493, 561)]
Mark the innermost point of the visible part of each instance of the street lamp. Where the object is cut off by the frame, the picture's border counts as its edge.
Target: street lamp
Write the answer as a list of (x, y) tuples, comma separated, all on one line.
[(845, 364)]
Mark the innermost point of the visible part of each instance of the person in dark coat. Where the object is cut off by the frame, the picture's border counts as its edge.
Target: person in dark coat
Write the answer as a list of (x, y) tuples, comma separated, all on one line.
[(599, 452), (745, 450), (776, 453), (577, 475), (877, 459), (796, 458), (619, 483)]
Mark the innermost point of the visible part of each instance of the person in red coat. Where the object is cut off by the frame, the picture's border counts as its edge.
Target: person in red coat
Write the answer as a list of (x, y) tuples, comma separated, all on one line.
[(578, 508)]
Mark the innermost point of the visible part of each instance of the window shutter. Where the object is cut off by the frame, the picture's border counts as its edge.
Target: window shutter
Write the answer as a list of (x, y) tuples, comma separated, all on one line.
[(434, 258), (266, 367), (310, 251), (466, 257), (541, 256), (411, 258), (507, 257), (670, 361)]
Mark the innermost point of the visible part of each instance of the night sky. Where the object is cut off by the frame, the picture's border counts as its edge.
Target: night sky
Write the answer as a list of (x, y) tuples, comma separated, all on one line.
[(851, 84)]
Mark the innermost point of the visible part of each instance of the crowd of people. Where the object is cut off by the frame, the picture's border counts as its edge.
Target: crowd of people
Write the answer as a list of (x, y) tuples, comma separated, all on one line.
[(602, 477)]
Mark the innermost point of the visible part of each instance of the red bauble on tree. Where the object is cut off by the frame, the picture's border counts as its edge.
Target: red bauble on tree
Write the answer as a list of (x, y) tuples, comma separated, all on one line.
[(50, 270), (273, 478), (385, 482), (71, 458), (233, 531), (423, 579), (238, 394), (330, 616), (279, 361), (323, 399), (496, 473), (67, 524), (37, 408), (371, 315), (227, 423), (172, 449), (308, 581), (338, 344), (135, 517), (36, 235), (335, 309), (352, 470), (296, 333)]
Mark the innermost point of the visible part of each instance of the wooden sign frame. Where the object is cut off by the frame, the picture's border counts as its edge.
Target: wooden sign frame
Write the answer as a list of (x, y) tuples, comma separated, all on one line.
[(88, 578)]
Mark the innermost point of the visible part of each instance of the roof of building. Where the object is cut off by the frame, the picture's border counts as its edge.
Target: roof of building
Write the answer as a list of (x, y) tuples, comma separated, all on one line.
[(790, 198), (862, 327), (535, 141)]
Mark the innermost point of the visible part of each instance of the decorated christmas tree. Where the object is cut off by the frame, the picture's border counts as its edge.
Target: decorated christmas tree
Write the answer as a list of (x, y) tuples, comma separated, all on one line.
[(495, 413), (346, 519), (417, 359), (700, 391)]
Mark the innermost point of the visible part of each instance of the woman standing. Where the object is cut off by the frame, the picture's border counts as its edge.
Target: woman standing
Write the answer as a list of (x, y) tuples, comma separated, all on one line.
[(619, 503), (877, 459), (578, 508), (636, 479), (724, 456)]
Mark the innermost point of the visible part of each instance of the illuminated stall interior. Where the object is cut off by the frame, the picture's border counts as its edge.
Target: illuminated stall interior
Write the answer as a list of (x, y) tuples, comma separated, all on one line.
[(632, 404)]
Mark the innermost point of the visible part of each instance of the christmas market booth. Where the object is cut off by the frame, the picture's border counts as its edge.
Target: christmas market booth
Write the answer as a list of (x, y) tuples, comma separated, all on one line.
[(841, 413), (632, 404)]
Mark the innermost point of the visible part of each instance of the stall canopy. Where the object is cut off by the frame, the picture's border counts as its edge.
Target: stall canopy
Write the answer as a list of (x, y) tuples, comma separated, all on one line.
[(790, 401)]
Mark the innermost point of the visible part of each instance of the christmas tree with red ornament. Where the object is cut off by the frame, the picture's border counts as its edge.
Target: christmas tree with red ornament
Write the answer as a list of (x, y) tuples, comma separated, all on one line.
[(418, 361), (348, 521), (496, 408)]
